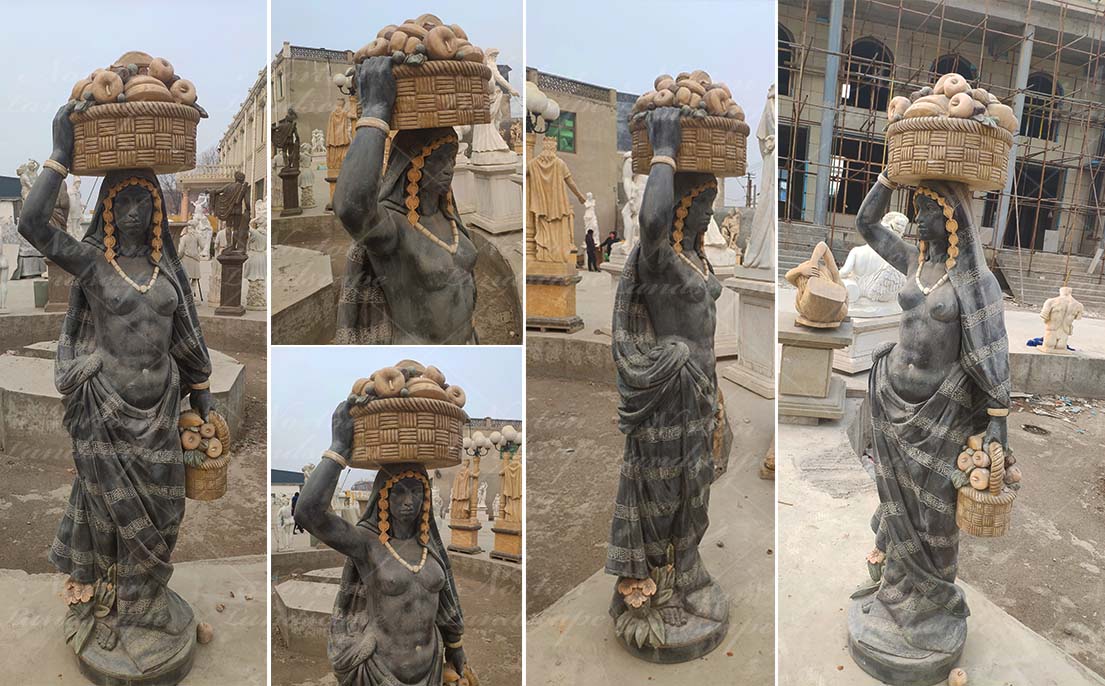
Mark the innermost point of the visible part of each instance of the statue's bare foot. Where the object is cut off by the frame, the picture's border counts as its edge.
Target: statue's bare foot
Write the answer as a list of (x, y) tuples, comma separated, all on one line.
[(673, 616)]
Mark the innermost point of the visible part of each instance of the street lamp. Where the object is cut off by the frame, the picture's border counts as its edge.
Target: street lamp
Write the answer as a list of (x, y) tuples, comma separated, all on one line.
[(540, 109)]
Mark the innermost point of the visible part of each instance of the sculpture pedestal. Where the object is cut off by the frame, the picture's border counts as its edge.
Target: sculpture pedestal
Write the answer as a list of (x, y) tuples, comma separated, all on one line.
[(684, 643), (909, 666), (255, 295), (868, 333), (57, 288), (551, 297), (808, 391), (727, 330), (755, 365), (508, 541), (464, 536), (230, 296), (489, 195), (116, 668), (289, 178)]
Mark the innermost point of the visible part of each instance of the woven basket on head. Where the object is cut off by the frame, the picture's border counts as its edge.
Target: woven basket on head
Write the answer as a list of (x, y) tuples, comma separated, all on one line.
[(134, 135), (947, 149), (717, 145), (441, 93), (395, 430), (208, 481), (987, 513)]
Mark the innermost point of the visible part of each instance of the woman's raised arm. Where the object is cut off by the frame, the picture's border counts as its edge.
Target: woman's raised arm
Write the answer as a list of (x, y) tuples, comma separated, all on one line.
[(34, 222), (883, 240), (355, 195), (312, 509), (665, 135)]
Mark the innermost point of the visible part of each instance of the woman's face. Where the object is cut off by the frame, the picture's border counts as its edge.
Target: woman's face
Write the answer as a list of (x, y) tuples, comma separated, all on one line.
[(406, 501), (133, 210), (437, 175), (700, 211), (930, 219)]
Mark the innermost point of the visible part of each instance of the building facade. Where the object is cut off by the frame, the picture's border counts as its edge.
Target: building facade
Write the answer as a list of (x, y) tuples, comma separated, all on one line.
[(840, 63)]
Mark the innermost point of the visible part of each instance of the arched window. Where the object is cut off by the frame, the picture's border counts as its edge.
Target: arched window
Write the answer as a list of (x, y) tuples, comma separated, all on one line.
[(1040, 118), (955, 64), (867, 79), (786, 59)]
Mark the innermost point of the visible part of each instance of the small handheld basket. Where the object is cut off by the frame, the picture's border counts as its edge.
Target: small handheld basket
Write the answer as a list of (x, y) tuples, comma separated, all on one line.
[(441, 93), (948, 149), (134, 135), (987, 513), (207, 481), (395, 430), (716, 145)]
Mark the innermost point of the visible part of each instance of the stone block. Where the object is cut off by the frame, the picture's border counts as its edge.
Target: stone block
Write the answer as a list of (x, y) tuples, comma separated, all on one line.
[(868, 333)]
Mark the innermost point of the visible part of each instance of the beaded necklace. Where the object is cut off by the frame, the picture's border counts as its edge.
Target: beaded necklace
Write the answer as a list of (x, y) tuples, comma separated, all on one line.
[(415, 569), (109, 230), (414, 175), (694, 266), (140, 288)]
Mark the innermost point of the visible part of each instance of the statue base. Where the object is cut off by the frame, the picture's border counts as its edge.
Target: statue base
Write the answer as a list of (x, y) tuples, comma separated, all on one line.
[(230, 296), (906, 666), (868, 333), (57, 288), (290, 183), (551, 303), (755, 365), (508, 542), (116, 668), (684, 643), (465, 538), (808, 391)]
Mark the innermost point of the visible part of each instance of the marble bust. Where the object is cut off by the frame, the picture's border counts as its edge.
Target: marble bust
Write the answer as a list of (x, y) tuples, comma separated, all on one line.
[(1059, 314), (873, 284)]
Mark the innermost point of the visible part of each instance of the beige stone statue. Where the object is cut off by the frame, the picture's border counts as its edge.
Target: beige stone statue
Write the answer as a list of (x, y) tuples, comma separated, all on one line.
[(548, 211), (731, 230), (339, 135), (461, 495), (1059, 314), (510, 485), (822, 299)]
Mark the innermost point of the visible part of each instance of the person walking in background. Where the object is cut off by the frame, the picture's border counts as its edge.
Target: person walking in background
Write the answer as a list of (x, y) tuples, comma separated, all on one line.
[(296, 529), (608, 245), (592, 265)]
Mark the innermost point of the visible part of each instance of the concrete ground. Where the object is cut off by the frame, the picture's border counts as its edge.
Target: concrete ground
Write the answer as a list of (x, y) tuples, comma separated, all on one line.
[(1035, 575), (573, 440), (32, 612)]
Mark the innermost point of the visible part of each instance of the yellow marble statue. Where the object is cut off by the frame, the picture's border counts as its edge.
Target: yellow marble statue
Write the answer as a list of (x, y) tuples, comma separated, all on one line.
[(822, 299), (548, 211)]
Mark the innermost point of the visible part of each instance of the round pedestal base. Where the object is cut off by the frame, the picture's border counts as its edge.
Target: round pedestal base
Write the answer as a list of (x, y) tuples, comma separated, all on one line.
[(684, 643), (906, 665), (115, 668)]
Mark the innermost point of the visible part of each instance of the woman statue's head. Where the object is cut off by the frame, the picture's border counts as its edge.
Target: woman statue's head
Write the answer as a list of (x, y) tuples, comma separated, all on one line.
[(404, 506), (941, 210), (695, 193), (424, 160), (132, 218), (930, 219)]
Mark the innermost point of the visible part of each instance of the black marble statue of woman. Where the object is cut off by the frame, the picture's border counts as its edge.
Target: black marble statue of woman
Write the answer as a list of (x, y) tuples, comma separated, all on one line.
[(409, 275), (666, 606), (397, 617), (130, 348), (945, 379)]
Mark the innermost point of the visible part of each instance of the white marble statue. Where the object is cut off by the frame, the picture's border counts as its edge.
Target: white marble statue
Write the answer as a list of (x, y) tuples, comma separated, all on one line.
[(873, 284), (199, 205), (30, 262), (717, 248), (1059, 314), (495, 505), (306, 178), (307, 469), (633, 187), (759, 253), (191, 256), (284, 523), (435, 498), (590, 219), (256, 267), (731, 230), (318, 142), (486, 137), (215, 286), (76, 210), (4, 268), (481, 499), (28, 174)]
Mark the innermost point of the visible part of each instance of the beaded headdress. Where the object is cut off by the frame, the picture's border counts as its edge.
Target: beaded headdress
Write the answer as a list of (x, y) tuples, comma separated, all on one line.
[(681, 215), (109, 217), (383, 506), (414, 176)]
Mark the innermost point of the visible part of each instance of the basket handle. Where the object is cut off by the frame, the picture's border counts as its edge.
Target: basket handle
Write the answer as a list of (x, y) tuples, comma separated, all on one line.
[(997, 468)]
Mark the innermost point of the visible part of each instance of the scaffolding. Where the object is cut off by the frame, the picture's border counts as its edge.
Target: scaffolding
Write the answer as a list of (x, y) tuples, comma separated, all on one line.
[(840, 62)]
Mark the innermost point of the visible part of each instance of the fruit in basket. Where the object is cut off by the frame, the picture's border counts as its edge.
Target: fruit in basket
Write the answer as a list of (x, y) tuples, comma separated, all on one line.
[(190, 439), (162, 70), (183, 91), (456, 395), (106, 86), (421, 387), (964, 462), (214, 448), (980, 458), (952, 96), (388, 382), (417, 40), (695, 93), (980, 479)]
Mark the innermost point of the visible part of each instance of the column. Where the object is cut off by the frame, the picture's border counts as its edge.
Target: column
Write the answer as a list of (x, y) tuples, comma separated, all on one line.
[(1024, 65), (829, 102)]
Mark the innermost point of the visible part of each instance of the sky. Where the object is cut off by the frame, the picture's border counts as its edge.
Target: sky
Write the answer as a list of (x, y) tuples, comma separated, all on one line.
[(349, 25), (625, 46), (308, 383), (219, 46)]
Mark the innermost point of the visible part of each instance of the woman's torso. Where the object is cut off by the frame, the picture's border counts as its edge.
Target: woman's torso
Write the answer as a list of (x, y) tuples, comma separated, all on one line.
[(133, 330), (403, 606), (682, 305), (431, 293), (929, 336)]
